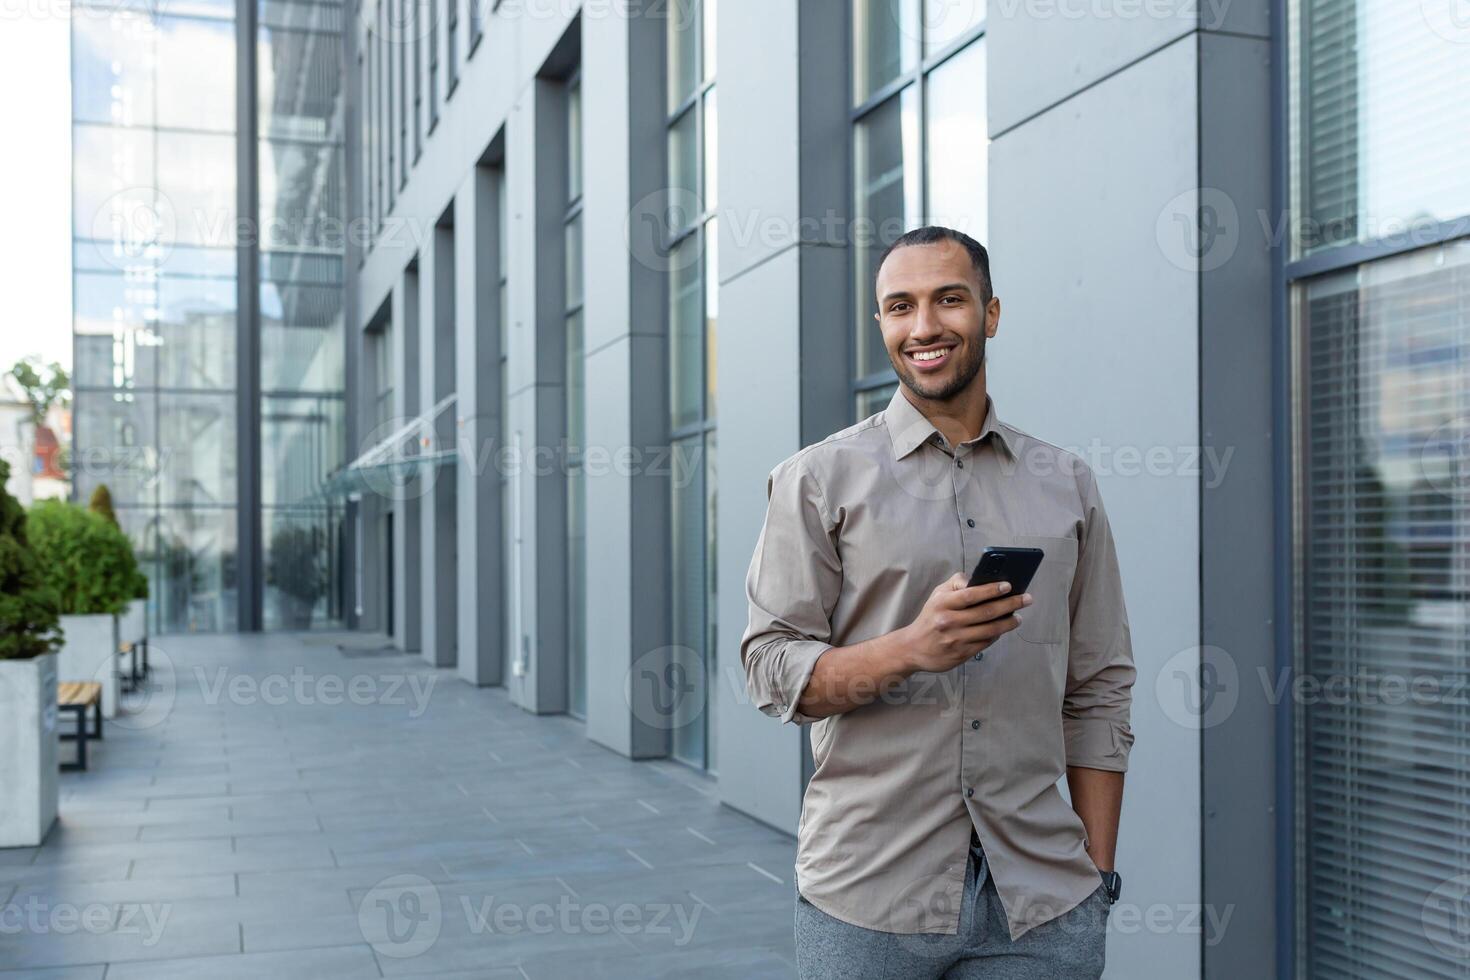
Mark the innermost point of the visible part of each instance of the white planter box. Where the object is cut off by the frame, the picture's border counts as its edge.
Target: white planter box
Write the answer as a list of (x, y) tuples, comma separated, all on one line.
[(90, 654), (132, 625), (29, 757)]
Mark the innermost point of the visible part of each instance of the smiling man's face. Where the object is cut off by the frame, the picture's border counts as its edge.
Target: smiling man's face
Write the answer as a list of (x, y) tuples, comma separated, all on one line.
[(934, 318)]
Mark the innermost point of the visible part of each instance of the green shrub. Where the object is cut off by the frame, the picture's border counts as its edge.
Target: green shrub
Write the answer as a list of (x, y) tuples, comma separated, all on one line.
[(101, 503), (87, 561), (29, 623)]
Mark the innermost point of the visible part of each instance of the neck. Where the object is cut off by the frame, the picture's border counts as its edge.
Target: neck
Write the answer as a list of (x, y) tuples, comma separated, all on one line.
[(958, 419)]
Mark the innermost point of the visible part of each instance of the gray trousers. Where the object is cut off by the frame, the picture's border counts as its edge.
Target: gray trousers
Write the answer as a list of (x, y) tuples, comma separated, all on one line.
[(1070, 946)]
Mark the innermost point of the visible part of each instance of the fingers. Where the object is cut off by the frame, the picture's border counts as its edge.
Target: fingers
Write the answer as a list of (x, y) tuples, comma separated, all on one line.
[(992, 630), (983, 612), (983, 593)]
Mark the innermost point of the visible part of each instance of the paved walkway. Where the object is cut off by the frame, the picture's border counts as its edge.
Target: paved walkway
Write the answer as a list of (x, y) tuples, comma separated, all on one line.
[(290, 808)]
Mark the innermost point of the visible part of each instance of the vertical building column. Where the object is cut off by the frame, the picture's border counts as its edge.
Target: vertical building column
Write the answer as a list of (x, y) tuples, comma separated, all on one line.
[(477, 471), (437, 515), (1238, 584), (627, 492), (760, 273), (407, 532), (536, 144), (250, 565)]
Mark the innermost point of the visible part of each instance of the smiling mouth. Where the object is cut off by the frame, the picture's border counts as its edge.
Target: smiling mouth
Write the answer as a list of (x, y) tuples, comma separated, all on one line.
[(929, 359)]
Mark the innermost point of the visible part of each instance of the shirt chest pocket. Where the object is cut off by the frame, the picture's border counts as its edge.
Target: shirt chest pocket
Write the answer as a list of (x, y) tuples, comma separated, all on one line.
[(1048, 618)]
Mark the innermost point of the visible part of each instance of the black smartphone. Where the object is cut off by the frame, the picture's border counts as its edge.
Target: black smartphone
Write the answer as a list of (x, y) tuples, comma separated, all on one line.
[(1013, 565)]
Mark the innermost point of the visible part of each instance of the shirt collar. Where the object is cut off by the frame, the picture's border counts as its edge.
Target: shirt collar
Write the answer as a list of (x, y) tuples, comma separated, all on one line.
[(909, 429)]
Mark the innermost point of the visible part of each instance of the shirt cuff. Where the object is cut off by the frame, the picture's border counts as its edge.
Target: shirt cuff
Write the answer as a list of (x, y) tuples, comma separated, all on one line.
[(1097, 743), (786, 676)]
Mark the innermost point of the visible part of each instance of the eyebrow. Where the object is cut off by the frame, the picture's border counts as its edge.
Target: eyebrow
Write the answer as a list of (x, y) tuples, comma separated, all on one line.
[(946, 288)]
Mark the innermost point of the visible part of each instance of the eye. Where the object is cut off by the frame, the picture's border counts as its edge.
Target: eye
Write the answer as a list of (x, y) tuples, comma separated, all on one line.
[(898, 308), (952, 298)]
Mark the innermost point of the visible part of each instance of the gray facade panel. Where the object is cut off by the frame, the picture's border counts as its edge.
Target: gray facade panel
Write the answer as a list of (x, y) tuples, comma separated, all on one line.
[(1238, 584), (1098, 351), (480, 453)]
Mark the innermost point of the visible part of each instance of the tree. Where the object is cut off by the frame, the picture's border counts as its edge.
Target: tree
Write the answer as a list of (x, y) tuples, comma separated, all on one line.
[(101, 503), (44, 385), (29, 610)]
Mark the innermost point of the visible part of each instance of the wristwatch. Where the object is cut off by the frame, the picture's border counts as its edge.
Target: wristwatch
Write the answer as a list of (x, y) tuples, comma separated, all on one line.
[(1113, 883)]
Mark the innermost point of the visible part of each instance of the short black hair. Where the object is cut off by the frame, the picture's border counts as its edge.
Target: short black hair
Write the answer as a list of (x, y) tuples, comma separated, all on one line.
[(933, 235)]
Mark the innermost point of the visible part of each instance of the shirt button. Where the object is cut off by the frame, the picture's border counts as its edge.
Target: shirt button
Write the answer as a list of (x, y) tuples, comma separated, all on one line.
[(974, 724), (969, 792), (960, 463), (980, 656), (970, 521)]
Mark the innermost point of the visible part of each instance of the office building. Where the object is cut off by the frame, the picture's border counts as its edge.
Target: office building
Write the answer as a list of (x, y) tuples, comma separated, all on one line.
[(609, 263)]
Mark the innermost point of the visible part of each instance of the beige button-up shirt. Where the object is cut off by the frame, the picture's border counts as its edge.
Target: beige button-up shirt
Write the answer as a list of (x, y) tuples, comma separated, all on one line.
[(859, 530)]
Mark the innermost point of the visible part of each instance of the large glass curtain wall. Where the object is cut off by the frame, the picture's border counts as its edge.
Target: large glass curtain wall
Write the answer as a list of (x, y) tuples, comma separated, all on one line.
[(155, 274), (1378, 280), (919, 147), (154, 283), (302, 216)]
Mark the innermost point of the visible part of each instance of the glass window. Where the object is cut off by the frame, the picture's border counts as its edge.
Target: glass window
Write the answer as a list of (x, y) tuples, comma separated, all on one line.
[(195, 333), (684, 168), (946, 21), (683, 65), (1379, 118), (112, 77), (919, 154), (690, 587), (574, 140), (686, 326), (299, 292), (956, 150), (711, 313), (195, 177), (885, 43), (196, 74), (576, 410), (574, 273), (197, 449), (1383, 484), (887, 183), (193, 553), (693, 319)]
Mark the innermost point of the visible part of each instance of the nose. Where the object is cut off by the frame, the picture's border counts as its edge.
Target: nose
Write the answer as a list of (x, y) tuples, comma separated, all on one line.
[(925, 325)]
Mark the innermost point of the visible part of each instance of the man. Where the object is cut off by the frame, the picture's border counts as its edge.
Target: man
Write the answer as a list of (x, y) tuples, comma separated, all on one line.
[(934, 841)]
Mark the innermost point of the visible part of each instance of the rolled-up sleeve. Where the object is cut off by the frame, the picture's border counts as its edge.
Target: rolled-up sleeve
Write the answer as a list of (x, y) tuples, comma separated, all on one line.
[(1100, 672), (794, 580)]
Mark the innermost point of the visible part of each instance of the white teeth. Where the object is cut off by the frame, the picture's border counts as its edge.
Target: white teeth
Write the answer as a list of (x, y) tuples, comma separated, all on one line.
[(929, 355)]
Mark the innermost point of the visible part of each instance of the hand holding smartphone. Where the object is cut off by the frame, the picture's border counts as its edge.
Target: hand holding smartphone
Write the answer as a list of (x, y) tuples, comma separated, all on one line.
[(1014, 565)]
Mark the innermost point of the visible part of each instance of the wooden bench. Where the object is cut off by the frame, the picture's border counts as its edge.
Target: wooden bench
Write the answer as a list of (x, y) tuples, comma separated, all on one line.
[(77, 697)]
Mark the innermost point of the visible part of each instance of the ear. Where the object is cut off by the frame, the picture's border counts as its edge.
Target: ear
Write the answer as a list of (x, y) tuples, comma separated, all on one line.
[(992, 316)]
